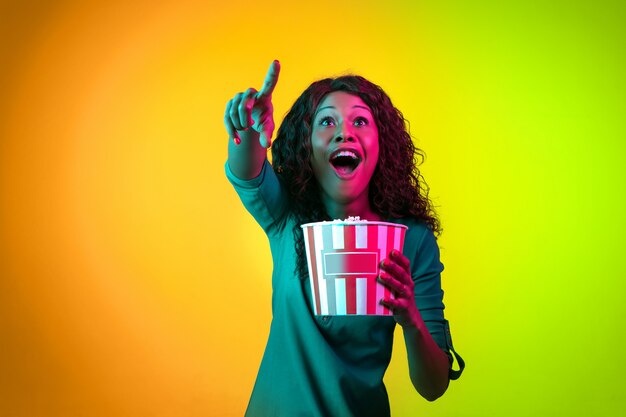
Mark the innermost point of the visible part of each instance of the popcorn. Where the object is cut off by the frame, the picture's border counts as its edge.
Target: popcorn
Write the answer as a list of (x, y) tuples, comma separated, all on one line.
[(353, 219)]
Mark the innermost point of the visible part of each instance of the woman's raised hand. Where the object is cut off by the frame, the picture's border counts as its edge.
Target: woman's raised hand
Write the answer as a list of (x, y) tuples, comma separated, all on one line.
[(252, 111)]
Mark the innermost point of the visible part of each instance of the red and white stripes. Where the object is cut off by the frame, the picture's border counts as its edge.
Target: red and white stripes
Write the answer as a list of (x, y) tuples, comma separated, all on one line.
[(343, 260)]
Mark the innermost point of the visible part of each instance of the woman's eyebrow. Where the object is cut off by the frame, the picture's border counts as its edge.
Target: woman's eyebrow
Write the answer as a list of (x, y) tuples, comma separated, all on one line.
[(333, 107)]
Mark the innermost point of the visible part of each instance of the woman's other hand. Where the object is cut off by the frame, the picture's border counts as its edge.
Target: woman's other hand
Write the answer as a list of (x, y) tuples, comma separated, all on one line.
[(395, 274)]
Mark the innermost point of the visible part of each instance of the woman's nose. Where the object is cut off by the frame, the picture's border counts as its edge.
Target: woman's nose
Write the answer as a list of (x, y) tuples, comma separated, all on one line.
[(344, 133)]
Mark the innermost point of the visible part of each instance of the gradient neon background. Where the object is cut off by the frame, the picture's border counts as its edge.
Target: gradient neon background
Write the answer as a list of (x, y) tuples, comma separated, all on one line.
[(133, 283)]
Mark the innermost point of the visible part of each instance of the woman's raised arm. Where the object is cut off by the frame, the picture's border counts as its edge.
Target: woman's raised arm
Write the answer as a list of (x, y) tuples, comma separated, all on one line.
[(249, 121)]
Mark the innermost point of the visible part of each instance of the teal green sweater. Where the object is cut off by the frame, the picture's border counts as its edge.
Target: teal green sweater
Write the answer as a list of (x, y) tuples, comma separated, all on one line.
[(328, 365)]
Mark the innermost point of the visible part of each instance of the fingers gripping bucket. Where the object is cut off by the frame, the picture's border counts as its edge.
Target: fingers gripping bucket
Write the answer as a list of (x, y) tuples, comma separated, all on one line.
[(343, 259)]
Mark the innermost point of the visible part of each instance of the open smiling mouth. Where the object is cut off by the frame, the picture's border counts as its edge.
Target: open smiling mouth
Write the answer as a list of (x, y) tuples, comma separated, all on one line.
[(345, 161)]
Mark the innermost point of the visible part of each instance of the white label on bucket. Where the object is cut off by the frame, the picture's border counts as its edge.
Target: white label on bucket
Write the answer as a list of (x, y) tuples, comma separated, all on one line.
[(350, 263)]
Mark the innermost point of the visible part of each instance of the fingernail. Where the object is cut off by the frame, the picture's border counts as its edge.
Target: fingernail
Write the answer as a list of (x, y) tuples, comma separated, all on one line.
[(237, 140)]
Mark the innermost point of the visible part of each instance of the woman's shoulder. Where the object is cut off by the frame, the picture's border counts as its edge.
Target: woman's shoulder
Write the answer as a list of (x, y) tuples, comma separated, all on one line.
[(419, 236), (414, 224)]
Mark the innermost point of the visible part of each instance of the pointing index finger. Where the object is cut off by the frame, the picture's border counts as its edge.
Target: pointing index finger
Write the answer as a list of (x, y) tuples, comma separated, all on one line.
[(271, 79)]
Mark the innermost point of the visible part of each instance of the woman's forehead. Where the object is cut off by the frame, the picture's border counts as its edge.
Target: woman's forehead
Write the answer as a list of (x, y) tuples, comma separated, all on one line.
[(341, 100)]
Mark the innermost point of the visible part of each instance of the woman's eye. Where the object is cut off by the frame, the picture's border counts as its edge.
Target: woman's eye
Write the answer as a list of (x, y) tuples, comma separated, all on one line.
[(360, 121), (327, 121)]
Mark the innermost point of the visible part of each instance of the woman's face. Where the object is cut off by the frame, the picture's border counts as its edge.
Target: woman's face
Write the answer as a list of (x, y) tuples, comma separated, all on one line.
[(344, 140)]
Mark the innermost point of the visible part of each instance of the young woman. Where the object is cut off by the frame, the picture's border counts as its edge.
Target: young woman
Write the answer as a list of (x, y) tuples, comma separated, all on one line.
[(342, 150)]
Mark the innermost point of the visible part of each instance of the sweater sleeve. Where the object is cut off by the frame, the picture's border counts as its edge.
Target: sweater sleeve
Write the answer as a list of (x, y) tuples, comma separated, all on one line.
[(426, 269), (426, 272), (264, 197)]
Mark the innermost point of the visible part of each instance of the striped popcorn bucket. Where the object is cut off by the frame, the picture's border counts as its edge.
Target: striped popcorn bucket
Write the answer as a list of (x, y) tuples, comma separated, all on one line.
[(343, 259)]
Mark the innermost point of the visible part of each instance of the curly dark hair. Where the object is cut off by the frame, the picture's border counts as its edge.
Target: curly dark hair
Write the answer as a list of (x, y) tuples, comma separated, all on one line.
[(397, 188)]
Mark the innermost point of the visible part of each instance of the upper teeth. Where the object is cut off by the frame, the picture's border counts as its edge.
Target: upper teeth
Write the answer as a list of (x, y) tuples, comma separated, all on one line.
[(351, 154)]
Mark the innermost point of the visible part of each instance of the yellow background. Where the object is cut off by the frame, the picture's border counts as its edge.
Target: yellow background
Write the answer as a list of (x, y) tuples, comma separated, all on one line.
[(133, 283)]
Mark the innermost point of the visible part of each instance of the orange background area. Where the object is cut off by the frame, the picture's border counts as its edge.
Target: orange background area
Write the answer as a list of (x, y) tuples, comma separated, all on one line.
[(133, 282)]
